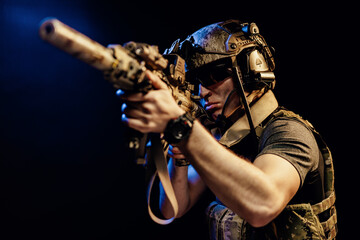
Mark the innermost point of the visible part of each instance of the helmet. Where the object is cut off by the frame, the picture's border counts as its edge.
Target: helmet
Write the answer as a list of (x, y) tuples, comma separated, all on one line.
[(220, 44)]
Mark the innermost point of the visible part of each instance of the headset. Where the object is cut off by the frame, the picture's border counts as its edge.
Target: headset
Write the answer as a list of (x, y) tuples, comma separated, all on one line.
[(214, 45), (255, 58)]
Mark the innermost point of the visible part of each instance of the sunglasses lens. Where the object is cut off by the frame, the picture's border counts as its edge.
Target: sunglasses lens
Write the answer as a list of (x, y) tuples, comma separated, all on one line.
[(221, 74), (211, 74), (206, 79)]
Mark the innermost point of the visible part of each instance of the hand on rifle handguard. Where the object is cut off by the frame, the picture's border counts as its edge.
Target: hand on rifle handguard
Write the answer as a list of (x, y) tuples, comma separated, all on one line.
[(152, 111)]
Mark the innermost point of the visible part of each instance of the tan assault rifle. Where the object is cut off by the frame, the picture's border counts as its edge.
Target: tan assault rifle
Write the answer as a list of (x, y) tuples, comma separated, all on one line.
[(125, 66)]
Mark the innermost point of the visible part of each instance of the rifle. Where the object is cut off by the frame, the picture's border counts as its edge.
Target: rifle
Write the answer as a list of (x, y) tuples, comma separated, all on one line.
[(124, 67)]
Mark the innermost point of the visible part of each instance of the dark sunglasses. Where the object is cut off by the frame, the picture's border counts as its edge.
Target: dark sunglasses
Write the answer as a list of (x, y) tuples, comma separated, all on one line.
[(211, 75)]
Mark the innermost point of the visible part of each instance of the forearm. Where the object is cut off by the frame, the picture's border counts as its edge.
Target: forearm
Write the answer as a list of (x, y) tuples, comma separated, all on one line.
[(236, 182)]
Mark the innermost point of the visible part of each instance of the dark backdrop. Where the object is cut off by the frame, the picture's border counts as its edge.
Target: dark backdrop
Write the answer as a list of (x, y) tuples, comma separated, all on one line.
[(63, 171)]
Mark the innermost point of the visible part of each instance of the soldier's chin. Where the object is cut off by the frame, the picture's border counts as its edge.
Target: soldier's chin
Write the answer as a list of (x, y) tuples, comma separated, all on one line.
[(215, 114)]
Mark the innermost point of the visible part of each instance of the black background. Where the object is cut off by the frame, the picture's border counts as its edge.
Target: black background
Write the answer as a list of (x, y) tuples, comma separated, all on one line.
[(63, 171)]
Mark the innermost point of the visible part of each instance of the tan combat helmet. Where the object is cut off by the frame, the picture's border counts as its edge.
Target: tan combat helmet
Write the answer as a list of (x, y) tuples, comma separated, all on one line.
[(219, 44)]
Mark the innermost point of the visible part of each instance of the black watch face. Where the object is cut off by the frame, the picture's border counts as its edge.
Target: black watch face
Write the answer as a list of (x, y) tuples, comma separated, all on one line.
[(178, 131)]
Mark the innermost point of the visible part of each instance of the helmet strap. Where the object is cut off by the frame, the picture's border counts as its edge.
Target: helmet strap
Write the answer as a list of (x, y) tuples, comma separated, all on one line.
[(227, 102), (243, 99)]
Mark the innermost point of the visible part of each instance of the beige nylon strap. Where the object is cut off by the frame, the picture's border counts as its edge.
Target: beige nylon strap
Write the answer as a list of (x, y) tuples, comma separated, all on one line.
[(156, 154), (259, 111), (329, 224), (324, 204)]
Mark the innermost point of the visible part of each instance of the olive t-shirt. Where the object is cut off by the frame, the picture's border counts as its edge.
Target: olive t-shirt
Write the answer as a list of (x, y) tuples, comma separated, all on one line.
[(294, 142)]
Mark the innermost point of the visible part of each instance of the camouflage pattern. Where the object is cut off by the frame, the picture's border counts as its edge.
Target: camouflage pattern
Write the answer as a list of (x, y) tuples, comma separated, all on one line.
[(297, 221), (206, 40), (224, 223), (216, 41)]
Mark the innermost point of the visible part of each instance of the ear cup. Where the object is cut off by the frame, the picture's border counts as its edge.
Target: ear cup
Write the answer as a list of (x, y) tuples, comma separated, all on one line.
[(257, 62), (255, 71)]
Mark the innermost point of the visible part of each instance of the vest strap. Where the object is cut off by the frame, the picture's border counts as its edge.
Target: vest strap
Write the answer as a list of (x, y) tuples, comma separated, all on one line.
[(324, 204), (331, 222)]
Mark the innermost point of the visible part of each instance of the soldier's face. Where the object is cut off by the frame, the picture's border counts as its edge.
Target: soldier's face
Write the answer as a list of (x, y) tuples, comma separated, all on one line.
[(214, 97)]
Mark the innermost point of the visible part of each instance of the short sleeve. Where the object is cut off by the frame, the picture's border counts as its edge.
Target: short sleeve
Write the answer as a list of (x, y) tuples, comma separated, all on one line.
[(293, 141)]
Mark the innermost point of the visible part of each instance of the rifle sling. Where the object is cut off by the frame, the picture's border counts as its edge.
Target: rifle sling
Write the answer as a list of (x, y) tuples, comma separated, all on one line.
[(156, 154)]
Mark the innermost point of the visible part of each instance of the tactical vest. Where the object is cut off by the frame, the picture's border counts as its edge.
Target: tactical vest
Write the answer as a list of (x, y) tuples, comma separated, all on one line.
[(296, 221)]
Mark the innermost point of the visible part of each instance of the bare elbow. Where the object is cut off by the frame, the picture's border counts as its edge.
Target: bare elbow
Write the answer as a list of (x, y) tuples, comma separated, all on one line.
[(167, 210), (166, 213), (169, 213), (261, 217), (266, 210), (264, 214), (259, 221)]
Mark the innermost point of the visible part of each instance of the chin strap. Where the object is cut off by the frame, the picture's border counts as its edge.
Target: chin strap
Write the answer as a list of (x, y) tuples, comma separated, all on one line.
[(220, 121)]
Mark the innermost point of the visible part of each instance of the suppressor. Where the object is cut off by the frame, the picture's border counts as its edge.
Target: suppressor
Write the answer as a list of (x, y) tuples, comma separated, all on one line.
[(76, 44)]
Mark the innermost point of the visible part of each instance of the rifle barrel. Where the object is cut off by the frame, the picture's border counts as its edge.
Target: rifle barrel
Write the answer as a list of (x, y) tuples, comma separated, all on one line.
[(76, 44)]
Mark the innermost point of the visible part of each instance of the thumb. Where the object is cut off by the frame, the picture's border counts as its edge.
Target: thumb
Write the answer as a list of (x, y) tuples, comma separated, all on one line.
[(156, 81)]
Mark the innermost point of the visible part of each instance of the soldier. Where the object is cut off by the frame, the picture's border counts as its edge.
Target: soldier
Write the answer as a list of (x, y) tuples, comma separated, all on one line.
[(270, 171)]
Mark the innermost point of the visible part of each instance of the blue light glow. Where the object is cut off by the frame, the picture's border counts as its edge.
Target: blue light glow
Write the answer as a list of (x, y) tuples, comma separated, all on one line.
[(119, 92), (245, 28), (123, 107)]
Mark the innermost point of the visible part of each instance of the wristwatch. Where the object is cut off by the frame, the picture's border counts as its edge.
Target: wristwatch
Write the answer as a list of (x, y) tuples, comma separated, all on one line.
[(179, 128)]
